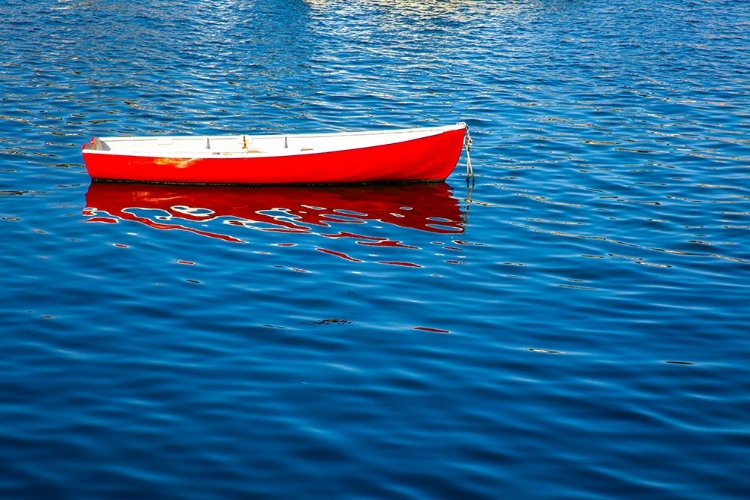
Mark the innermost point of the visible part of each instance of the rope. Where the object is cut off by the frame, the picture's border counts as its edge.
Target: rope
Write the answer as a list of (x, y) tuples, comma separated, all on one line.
[(467, 146)]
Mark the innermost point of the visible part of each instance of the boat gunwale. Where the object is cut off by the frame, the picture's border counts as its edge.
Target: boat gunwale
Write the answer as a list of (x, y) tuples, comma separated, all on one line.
[(423, 132)]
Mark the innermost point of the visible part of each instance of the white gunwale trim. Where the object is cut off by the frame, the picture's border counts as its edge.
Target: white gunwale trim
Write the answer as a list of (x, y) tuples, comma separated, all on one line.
[(238, 146)]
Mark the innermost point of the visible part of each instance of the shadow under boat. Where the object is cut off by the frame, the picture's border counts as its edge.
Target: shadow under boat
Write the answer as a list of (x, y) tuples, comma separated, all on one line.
[(308, 209)]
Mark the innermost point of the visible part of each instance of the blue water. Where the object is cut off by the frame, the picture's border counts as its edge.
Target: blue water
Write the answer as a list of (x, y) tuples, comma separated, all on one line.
[(576, 326)]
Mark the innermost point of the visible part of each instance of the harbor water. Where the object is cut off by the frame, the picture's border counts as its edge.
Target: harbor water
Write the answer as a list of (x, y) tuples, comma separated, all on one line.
[(573, 323)]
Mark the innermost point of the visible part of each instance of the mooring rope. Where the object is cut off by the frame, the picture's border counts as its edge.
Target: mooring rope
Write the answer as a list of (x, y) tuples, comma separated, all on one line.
[(467, 146)]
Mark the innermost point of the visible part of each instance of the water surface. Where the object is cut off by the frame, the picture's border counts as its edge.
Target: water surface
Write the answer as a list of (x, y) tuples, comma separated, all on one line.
[(573, 326)]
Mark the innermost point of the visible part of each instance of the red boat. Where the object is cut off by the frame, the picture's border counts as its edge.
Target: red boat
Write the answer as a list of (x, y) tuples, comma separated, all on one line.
[(415, 154)]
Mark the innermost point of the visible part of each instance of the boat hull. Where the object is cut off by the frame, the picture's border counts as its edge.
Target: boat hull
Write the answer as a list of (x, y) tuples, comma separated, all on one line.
[(428, 158)]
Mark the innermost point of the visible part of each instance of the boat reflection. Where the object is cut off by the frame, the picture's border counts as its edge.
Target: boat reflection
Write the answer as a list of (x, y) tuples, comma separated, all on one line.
[(224, 212)]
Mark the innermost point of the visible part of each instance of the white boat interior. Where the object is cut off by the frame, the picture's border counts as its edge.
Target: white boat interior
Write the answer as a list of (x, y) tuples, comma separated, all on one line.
[(256, 145)]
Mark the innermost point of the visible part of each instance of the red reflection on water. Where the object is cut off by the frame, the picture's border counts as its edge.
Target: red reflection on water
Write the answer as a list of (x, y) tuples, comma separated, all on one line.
[(104, 220), (338, 254), (399, 263), (429, 329), (285, 209)]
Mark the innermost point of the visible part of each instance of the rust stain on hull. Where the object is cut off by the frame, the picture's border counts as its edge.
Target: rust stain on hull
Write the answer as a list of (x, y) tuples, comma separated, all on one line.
[(175, 162)]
